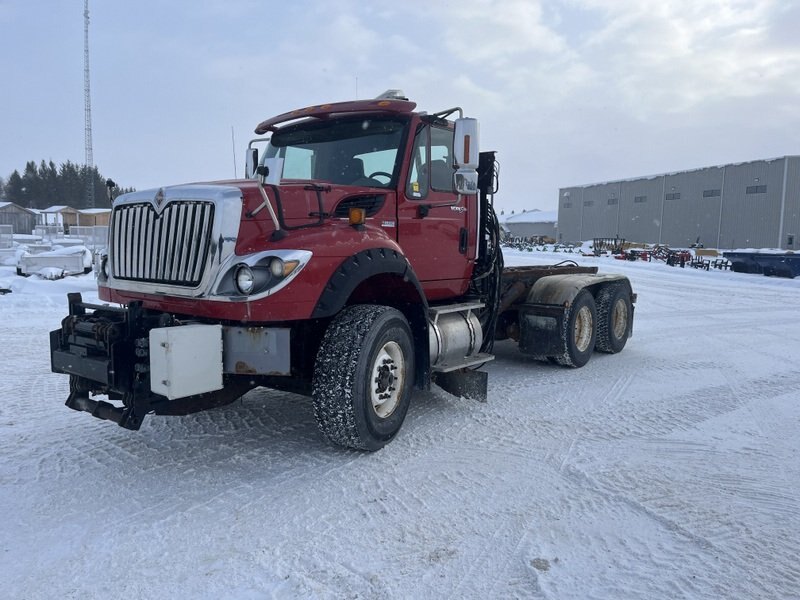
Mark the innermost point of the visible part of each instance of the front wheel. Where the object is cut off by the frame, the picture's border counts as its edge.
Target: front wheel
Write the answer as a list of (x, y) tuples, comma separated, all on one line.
[(363, 377), (579, 331)]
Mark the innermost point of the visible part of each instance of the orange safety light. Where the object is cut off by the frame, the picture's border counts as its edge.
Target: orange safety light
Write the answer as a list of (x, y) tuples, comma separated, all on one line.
[(357, 215)]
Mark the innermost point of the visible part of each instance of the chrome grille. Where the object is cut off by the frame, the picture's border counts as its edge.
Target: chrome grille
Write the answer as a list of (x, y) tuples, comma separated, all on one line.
[(167, 247)]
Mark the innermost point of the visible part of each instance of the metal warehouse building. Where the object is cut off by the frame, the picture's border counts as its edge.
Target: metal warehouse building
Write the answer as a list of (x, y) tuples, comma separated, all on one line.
[(532, 223), (744, 205)]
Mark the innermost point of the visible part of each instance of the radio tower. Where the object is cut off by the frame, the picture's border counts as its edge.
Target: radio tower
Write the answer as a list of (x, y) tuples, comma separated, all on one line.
[(88, 110)]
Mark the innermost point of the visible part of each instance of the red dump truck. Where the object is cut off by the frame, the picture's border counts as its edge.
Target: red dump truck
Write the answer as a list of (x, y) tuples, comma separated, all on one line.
[(357, 261)]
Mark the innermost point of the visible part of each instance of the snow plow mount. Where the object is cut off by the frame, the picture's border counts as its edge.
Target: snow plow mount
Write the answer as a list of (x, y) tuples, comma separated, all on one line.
[(104, 350), (78, 399)]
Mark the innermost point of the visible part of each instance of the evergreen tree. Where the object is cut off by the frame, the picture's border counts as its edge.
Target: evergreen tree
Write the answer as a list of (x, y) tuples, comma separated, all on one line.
[(72, 188), (48, 185), (32, 187), (14, 187)]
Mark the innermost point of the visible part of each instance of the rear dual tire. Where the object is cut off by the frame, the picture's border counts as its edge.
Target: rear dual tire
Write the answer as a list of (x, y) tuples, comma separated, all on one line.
[(579, 331), (615, 317), (602, 324)]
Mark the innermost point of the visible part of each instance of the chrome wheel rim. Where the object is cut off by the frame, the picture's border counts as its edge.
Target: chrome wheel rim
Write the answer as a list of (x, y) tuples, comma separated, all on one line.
[(386, 380)]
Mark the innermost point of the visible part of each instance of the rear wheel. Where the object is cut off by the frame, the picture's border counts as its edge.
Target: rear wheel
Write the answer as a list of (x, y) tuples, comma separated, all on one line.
[(363, 377), (614, 317), (579, 331)]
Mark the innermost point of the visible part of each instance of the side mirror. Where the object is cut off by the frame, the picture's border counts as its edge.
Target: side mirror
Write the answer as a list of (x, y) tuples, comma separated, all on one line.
[(466, 150), (466, 182), (251, 162), (110, 185), (466, 143)]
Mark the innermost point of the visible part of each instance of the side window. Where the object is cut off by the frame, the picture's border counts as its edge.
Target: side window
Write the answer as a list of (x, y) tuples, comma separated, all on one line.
[(441, 169), (417, 184)]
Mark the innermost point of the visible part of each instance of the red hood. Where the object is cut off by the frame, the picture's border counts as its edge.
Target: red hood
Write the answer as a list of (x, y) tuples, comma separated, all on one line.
[(306, 205)]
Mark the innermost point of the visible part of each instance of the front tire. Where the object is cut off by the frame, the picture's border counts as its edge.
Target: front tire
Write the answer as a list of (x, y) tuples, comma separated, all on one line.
[(580, 331), (363, 377)]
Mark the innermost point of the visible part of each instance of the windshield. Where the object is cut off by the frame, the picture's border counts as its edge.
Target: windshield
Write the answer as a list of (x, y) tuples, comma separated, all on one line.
[(351, 151)]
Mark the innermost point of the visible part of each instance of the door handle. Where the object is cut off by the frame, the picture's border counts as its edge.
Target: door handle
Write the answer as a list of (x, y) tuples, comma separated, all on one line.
[(463, 238)]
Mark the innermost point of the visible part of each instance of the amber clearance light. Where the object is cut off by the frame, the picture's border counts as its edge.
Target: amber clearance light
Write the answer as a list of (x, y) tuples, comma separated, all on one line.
[(357, 216)]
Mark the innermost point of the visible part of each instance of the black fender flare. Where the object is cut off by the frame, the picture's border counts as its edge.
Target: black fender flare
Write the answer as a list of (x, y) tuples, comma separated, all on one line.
[(355, 270)]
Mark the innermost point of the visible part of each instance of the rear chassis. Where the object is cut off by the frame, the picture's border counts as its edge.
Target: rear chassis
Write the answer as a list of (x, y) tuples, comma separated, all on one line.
[(535, 303)]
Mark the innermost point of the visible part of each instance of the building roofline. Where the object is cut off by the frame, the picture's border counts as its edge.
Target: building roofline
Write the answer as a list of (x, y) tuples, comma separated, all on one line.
[(642, 177), (6, 203), (59, 208), (530, 217)]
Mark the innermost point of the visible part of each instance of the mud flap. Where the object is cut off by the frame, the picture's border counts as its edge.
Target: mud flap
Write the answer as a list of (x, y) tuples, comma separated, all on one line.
[(465, 383), (542, 330)]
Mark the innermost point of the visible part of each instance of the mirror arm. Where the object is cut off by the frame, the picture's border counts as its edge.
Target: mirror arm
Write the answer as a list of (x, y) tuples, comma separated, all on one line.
[(279, 233)]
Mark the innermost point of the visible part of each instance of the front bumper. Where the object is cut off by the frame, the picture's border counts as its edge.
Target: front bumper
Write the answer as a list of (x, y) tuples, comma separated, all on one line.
[(151, 362)]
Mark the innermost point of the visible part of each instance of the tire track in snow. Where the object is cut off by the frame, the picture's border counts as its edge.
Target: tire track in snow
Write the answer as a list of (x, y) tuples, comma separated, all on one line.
[(747, 498), (723, 516), (691, 562)]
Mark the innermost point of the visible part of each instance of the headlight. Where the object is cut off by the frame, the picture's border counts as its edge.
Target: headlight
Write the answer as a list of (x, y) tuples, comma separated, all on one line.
[(276, 267), (253, 276), (244, 279)]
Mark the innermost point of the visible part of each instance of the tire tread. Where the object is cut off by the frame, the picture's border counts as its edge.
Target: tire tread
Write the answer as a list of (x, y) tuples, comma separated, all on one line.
[(336, 376)]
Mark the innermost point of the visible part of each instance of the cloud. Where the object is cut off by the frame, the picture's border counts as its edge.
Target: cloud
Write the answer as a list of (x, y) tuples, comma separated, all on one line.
[(494, 34), (647, 58), (674, 56), (570, 91)]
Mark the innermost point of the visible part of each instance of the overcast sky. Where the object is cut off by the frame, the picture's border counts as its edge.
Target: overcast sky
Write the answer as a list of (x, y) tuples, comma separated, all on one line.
[(567, 91)]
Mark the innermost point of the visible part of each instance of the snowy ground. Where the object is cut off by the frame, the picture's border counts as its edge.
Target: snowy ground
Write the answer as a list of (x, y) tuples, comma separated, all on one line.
[(668, 471)]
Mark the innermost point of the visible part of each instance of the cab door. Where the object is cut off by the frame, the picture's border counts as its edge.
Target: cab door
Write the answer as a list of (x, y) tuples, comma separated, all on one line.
[(433, 221)]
